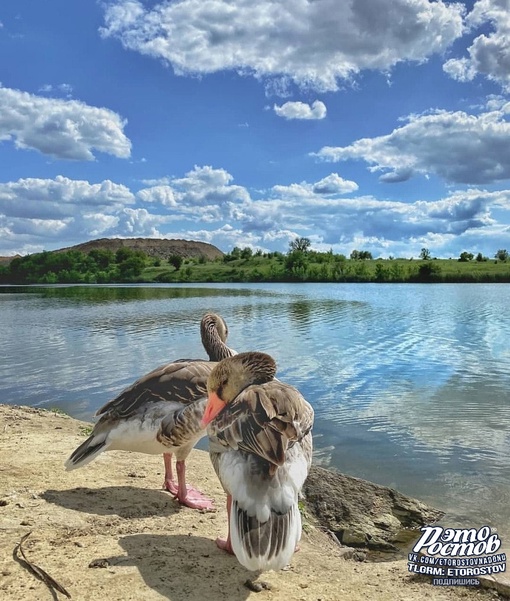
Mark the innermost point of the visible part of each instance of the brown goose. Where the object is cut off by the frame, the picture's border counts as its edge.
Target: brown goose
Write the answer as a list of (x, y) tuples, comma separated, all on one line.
[(261, 449), (171, 396)]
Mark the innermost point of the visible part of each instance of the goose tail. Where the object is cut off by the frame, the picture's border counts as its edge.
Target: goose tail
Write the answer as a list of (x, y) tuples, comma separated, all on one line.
[(264, 545), (87, 451)]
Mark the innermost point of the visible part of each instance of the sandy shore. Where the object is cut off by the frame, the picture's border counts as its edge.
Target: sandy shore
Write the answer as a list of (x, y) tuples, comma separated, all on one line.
[(113, 515)]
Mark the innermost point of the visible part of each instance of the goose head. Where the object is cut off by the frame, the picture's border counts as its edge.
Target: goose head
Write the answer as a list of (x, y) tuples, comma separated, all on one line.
[(214, 333), (231, 376)]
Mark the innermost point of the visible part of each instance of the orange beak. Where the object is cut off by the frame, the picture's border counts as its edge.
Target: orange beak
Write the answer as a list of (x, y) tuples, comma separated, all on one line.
[(214, 406)]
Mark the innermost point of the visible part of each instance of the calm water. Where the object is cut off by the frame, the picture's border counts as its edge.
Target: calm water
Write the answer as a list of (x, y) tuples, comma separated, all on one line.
[(410, 383)]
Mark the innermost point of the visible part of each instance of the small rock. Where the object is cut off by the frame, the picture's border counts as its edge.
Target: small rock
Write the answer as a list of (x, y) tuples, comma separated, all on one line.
[(303, 585), (99, 563), (359, 556), (26, 523), (79, 544), (257, 586), (4, 502)]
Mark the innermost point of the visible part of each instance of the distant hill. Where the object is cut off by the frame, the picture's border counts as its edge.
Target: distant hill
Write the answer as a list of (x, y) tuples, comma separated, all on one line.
[(7, 260), (154, 247)]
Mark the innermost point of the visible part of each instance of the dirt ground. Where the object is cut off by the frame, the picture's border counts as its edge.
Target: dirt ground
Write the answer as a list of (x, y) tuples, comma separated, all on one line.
[(107, 531)]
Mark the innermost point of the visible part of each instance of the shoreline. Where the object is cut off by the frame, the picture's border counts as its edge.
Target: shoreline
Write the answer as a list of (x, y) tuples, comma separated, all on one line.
[(108, 530)]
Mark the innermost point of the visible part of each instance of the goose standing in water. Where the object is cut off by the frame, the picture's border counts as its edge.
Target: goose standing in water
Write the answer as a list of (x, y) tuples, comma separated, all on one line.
[(261, 449), (172, 396)]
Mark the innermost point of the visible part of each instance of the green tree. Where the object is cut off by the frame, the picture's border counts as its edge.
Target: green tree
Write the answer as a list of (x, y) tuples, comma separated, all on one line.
[(103, 258), (296, 263), (300, 244), (361, 255), (501, 255), (175, 261), (425, 254), (465, 257), (382, 273), (429, 272)]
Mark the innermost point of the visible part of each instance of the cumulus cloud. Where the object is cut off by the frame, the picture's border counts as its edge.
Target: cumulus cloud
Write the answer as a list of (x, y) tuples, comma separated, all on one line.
[(312, 44), (35, 213), (63, 129), (206, 205), (331, 184), (161, 194), (60, 197), (456, 146), (209, 190), (462, 220), (489, 54), (301, 110), (334, 184)]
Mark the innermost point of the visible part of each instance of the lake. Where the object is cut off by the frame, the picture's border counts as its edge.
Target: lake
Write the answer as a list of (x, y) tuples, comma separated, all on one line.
[(410, 383)]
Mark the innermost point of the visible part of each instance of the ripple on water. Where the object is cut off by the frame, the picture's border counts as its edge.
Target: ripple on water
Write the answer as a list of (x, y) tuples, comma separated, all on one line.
[(410, 384)]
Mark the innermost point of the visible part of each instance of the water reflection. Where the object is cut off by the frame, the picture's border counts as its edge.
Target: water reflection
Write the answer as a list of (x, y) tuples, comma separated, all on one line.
[(410, 383)]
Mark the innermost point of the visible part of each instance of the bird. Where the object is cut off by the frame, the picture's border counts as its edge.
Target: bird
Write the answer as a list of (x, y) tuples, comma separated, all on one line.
[(174, 395), (260, 441)]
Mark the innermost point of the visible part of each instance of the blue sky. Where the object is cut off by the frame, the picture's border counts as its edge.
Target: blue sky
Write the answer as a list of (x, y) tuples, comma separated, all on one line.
[(378, 125)]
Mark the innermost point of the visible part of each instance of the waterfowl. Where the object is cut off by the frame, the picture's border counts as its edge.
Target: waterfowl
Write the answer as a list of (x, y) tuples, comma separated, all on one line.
[(261, 449), (172, 396)]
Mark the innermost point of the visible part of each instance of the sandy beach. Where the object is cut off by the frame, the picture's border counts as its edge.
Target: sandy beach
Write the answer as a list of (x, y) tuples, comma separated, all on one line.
[(108, 531)]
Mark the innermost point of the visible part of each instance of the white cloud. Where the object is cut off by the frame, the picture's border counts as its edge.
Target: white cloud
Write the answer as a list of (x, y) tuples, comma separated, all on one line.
[(301, 110), (55, 198), (463, 220), (456, 146), (206, 205), (63, 129), (161, 194), (204, 194), (39, 213), (313, 44), (489, 54), (63, 88), (334, 184), (139, 222)]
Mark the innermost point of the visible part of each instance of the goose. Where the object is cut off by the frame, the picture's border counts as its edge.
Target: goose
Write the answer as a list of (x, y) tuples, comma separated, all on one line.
[(261, 449), (172, 395)]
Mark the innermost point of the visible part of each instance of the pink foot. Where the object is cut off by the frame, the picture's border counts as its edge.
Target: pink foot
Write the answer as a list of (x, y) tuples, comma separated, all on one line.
[(225, 545), (171, 487), (195, 499)]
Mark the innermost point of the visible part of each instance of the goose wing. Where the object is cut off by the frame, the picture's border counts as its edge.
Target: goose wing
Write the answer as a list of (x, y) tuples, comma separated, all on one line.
[(182, 381), (265, 420)]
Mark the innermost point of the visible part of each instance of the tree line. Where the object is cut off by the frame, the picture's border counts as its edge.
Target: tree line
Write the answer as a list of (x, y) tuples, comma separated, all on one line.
[(73, 266), (299, 264)]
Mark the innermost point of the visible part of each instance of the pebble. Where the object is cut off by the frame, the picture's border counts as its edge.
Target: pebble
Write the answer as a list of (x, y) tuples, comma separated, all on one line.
[(99, 563), (257, 586)]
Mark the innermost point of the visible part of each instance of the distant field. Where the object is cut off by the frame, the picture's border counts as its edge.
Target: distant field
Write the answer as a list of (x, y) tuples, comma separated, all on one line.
[(101, 266), (256, 269)]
